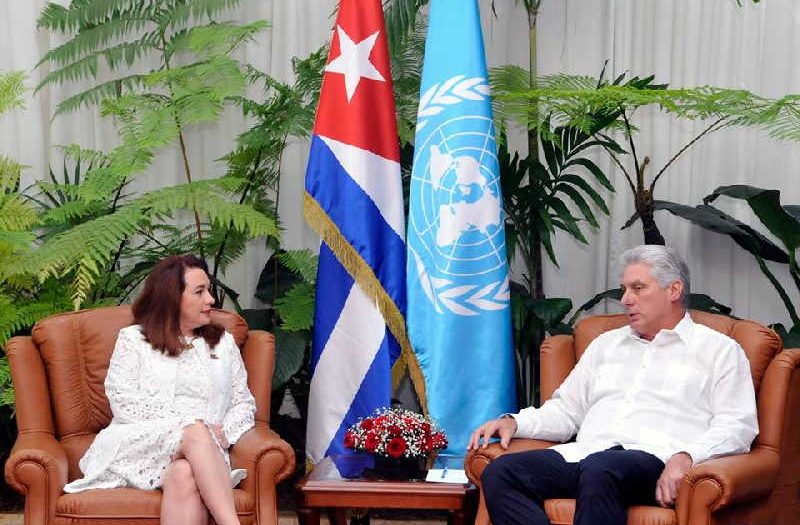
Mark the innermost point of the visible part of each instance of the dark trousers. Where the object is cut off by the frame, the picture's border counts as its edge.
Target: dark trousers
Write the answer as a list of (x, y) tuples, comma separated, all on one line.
[(604, 484)]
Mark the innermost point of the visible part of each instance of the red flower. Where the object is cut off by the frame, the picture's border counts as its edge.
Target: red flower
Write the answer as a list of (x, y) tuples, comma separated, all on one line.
[(396, 433), (371, 442), (396, 447)]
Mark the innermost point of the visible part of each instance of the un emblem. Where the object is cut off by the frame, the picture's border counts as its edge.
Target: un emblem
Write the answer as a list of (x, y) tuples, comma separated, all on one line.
[(459, 218)]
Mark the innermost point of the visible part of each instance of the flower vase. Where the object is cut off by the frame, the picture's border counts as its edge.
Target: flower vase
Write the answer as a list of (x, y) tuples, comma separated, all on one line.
[(400, 468)]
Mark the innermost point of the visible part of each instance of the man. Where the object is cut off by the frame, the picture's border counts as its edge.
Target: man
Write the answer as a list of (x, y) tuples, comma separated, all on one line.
[(647, 401)]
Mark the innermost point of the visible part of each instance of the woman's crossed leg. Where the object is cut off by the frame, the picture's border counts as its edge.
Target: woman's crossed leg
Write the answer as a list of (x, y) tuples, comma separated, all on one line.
[(198, 482)]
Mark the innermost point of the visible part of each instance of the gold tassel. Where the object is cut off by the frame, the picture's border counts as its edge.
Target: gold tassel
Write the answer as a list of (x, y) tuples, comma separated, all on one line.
[(321, 223)]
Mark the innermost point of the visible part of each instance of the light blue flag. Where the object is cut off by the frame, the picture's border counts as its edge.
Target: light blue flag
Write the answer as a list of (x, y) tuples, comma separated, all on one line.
[(458, 315)]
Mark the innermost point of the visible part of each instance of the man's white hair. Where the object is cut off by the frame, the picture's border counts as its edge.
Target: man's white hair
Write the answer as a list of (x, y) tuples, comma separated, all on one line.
[(665, 265)]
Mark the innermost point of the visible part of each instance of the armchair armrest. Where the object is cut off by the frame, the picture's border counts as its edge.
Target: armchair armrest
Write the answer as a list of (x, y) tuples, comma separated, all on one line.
[(477, 460), (721, 482), (268, 459), (37, 467), (264, 454)]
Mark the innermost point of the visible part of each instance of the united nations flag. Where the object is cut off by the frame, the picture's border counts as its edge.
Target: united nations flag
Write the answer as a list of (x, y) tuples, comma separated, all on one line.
[(459, 316)]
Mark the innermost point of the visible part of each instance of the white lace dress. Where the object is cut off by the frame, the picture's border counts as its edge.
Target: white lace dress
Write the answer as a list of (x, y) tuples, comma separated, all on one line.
[(153, 397)]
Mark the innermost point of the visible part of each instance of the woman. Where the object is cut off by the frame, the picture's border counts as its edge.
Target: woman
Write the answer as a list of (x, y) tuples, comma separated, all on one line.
[(179, 398)]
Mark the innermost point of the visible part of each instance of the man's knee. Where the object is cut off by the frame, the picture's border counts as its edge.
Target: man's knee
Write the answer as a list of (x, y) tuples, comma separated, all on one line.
[(595, 472), (496, 475)]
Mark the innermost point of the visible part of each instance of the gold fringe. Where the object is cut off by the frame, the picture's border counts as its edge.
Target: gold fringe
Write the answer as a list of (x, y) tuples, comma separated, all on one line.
[(321, 223)]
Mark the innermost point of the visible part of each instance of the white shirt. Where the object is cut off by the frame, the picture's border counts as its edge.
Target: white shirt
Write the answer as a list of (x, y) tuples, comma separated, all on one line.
[(687, 390)]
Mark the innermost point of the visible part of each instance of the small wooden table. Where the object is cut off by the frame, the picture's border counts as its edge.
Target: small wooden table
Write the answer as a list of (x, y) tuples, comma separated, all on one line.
[(313, 495)]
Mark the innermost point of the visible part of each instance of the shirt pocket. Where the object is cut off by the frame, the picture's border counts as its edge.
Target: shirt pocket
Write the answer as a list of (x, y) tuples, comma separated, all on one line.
[(684, 383), (608, 379)]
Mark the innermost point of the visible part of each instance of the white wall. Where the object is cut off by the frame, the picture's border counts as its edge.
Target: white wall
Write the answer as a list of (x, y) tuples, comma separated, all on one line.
[(684, 42)]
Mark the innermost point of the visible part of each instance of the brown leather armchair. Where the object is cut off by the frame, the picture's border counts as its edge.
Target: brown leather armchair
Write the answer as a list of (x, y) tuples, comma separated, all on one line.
[(58, 373), (761, 487)]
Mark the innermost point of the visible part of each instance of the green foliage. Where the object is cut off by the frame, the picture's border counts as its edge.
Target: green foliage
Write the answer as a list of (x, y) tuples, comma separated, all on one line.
[(23, 301), (104, 239), (11, 90), (577, 101), (296, 308), (782, 221), (406, 77), (286, 284), (401, 17), (539, 199)]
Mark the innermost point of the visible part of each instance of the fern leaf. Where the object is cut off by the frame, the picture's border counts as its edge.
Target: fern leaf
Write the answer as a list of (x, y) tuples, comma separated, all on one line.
[(90, 13), (76, 152), (300, 262), (77, 70), (193, 10), (145, 122), (95, 95), (56, 17), (10, 171), (205, 198), (11, 90), (16, 214), (68, 212), (86, 246), (16, 315), (12, 242), (296, 307), (91, 39)]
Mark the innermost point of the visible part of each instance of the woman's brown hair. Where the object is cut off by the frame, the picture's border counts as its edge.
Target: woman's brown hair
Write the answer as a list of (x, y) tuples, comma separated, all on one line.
[(158, 308)]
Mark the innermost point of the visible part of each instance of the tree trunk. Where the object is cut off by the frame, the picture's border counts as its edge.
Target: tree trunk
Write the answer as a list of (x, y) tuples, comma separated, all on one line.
[(644, 207)]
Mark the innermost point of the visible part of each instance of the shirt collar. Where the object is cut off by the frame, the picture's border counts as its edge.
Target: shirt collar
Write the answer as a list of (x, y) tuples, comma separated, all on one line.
[(683, 330)]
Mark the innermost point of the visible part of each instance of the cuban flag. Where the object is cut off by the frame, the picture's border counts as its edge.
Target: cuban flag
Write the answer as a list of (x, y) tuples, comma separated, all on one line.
[(459, 315), (354, 201)]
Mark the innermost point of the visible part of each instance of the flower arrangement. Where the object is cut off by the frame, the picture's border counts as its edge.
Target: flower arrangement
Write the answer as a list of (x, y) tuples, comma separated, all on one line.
[(395, 433)]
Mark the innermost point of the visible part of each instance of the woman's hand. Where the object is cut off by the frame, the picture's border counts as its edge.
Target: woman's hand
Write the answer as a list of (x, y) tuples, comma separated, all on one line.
[(220, 435)]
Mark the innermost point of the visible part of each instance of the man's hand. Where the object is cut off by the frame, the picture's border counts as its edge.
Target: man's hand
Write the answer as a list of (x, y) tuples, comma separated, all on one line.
[(503, 427), (670, 479)]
